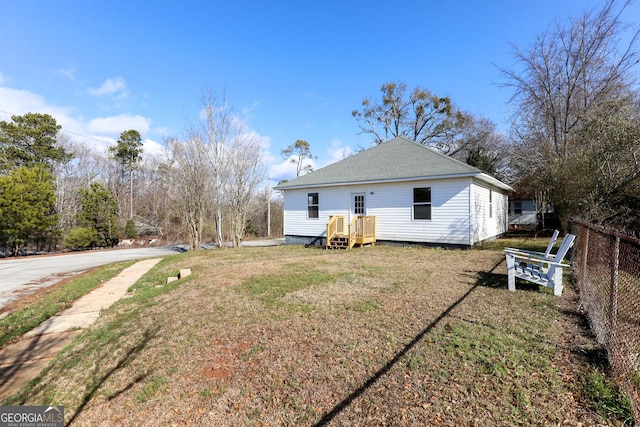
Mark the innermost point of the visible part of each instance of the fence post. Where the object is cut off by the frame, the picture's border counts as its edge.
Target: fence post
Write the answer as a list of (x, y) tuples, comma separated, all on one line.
[(615, 264), (585, 254)]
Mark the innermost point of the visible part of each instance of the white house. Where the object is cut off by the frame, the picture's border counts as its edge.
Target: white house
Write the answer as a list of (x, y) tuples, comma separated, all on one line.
[(522, 213), (416, 194)]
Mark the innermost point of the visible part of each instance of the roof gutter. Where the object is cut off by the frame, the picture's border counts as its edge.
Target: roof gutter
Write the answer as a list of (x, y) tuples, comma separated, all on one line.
[(481, 176)]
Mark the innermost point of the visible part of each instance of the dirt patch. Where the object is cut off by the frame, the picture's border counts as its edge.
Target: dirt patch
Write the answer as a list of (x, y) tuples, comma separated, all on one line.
[(216, 373)]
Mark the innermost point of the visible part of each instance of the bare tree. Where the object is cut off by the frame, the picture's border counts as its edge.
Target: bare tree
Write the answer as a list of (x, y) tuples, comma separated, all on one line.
[(85, 167), (154, 206), (191, 181), (562, 84), (235, 162), (420, 116), (246, 171), (217, 127), (433, 121), (217, 168), (610, 161), (479, 144)]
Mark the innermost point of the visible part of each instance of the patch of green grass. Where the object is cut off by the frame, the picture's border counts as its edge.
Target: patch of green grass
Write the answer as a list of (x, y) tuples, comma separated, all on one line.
[(538, 244), (154, 282), (246, 355), (512, 364), (603, 396), (413, 362), (364, 306), (271, 288), (151, 388), (27, 318)]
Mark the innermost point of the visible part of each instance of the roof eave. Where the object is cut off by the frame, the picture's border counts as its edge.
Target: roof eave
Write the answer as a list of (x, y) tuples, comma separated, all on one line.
[(493, 181), (482, 176)]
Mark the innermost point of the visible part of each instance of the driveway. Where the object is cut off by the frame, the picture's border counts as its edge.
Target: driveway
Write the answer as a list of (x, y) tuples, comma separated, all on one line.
[(22, 276)]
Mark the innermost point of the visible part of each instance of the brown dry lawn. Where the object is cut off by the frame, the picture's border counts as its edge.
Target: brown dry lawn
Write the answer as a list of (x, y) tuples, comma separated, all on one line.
[(300, 336)]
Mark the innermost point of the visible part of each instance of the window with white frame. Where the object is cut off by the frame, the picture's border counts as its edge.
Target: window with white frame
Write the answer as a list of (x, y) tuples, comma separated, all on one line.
[(312, 205), (422, 203)]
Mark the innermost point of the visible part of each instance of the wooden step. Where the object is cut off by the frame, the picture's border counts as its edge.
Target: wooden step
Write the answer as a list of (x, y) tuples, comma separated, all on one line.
[(339, 242)]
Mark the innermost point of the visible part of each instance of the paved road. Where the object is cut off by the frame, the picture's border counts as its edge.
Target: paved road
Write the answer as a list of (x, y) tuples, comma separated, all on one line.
[(21, 276)]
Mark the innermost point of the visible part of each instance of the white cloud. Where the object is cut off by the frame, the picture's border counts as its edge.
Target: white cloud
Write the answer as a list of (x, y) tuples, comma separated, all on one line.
[(19, 102), (152, 148), (115, 125), (337, 151), (111, 86), (69, 73), (97, 133), (249, 109), (286, 169), (99, 144), (283, 170)]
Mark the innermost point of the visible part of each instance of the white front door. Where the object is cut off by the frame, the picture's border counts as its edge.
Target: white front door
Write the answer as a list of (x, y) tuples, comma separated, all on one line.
[(358, 206)]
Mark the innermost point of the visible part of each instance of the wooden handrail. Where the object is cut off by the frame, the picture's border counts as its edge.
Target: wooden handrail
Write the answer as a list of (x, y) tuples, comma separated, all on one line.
[(368, 228), (361, 230), (334, 227), (353, 231)]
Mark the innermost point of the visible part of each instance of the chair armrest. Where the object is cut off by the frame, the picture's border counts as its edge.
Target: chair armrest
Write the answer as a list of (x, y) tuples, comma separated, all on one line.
[(531, 258), (524, 251)]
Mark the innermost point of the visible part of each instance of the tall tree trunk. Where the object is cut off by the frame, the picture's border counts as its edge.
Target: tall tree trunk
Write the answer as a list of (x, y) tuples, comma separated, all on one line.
[(131, 194)]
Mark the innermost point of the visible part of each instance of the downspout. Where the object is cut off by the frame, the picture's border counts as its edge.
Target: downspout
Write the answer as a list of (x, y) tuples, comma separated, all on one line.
[(470, 216)]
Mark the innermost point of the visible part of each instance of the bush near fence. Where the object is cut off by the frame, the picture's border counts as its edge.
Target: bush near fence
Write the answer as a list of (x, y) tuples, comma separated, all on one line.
[(607, 270)]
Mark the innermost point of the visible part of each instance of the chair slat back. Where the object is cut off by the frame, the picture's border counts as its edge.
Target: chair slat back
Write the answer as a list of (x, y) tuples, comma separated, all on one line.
[(552, 242), (564, 247)]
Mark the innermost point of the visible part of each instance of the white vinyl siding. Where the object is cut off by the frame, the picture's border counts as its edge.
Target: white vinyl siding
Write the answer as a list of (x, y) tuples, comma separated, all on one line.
[(490, 203), (392, 204), (488, 208)]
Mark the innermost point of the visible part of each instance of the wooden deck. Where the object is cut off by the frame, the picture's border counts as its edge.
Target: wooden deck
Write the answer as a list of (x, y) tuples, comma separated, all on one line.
[(360, 231)]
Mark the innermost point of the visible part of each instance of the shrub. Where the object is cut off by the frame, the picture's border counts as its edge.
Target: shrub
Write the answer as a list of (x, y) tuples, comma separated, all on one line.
[(80, 238), (130, 229)]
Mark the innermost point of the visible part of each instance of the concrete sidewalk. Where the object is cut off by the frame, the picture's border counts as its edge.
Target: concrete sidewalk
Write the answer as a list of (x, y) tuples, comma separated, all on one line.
[(22, 361)]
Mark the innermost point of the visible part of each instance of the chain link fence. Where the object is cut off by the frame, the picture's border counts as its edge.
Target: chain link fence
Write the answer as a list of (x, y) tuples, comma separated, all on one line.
[(607, 269)]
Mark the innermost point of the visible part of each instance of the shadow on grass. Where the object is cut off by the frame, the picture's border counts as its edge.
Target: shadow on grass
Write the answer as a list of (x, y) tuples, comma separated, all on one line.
[(596, 356), (499, 281), (329, 416), (133, 352)]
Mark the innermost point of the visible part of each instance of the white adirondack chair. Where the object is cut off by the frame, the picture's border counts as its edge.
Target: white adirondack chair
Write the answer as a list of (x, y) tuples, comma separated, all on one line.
[(537, 268)]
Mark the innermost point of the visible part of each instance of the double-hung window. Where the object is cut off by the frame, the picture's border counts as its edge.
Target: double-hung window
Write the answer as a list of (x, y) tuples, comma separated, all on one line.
[(422, 203), (312, 205)]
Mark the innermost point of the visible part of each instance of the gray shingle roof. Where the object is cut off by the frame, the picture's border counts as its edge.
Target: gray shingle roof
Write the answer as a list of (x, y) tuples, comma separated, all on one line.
[(396, 159)]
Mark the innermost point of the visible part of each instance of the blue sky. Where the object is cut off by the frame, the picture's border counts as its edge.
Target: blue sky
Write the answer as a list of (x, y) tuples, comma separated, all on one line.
[(291, 69)]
